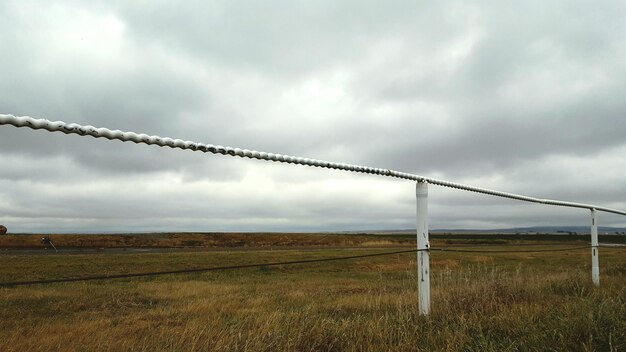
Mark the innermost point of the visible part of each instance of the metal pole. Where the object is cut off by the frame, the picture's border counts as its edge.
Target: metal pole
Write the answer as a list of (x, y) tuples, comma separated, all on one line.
[(595, 264), (423, 256)]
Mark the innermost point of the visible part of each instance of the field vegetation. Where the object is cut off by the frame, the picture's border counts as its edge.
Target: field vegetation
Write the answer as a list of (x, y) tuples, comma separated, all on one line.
[(203, 240), (480, 302)]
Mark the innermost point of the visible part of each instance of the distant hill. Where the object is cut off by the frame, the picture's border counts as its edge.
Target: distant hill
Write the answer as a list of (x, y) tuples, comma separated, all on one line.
[(604, 230)]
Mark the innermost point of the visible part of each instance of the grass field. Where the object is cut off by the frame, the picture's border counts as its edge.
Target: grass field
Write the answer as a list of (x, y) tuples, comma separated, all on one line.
[(480, 302), (203, 240), (242, 240)]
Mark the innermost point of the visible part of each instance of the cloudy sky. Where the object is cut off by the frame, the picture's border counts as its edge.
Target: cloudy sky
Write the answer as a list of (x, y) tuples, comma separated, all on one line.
[(526, 98)]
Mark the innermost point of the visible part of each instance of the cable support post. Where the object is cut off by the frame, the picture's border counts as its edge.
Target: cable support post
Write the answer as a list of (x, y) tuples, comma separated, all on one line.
[(595, 261), (423, 247)]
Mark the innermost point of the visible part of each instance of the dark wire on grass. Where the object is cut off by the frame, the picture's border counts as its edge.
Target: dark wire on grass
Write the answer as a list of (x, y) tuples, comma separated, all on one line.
[(507, 250), (197, 270), (477, 244), (256, 265)]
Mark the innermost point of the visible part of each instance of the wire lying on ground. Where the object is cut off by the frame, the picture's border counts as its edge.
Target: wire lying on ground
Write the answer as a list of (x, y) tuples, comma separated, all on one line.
[(198, 270), (256, 265), (507, 250)]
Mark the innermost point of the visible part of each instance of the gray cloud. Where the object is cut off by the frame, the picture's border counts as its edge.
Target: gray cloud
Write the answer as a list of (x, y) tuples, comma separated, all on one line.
[(525, 98)]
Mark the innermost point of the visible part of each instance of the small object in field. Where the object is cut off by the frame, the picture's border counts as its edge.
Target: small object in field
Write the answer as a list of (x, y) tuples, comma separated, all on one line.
[(45, 240), (3, 230)]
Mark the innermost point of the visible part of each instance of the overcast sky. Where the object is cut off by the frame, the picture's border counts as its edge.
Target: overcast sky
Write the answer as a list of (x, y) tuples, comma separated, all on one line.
[(525, 97)]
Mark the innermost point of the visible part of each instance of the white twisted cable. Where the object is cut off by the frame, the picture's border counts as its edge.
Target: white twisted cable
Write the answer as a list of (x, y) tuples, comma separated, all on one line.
[(72, 128)]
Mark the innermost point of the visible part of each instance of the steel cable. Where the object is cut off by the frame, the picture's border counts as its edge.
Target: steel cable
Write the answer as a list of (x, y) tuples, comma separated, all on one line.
[(73, 128)]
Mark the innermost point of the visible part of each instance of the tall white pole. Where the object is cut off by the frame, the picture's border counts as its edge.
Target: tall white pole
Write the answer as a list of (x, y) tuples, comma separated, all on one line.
[(595, 264), (423, 256)]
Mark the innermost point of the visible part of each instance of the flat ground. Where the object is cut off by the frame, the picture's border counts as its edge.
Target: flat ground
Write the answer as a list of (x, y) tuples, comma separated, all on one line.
[(480, 301)]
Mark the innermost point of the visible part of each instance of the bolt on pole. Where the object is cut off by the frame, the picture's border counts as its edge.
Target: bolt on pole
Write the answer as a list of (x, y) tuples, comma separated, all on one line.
[(595, 263), (423, 255)]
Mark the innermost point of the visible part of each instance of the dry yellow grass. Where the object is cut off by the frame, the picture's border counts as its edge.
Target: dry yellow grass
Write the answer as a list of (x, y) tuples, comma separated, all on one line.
[(202, 240), (511, 302)]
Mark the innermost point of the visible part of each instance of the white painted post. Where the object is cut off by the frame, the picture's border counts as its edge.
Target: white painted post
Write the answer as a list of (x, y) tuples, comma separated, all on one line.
[(423, 256), (595, 264)]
